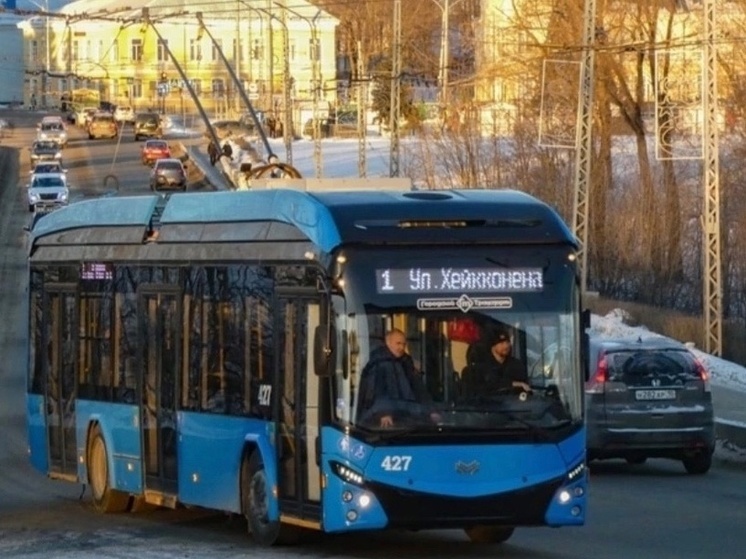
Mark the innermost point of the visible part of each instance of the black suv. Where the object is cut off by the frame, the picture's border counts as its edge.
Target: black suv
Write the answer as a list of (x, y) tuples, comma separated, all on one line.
[(649, 398), (148, 125)]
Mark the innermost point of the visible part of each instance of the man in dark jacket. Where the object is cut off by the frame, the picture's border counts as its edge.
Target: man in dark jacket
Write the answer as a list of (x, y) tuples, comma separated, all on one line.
[(498, 372), (391, 389)]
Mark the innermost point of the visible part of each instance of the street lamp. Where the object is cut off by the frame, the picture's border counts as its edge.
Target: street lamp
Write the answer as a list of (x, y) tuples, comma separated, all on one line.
[(316, 79)]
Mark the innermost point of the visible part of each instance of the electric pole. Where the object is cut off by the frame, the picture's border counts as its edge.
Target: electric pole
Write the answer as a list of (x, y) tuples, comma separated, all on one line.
[(395, 106)]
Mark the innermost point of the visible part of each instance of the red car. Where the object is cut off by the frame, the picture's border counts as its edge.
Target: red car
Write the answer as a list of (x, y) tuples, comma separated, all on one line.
[(153, 150)]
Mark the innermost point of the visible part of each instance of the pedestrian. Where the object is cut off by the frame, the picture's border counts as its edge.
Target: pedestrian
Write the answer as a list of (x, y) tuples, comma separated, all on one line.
[(212, 151)]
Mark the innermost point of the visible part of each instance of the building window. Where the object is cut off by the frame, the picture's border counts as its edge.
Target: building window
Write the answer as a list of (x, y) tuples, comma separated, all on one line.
[(195, 50), (162, 50), (76, 50), (217, 46), (34, 54), (136, 89), (136, 50), (114, 52), (291, 49), (235, 50), (218, 87), (314, 49), (257, 50)]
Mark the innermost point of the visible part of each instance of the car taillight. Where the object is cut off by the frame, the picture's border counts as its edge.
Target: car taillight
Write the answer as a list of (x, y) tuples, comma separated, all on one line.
[(702, 373), (597, 382)]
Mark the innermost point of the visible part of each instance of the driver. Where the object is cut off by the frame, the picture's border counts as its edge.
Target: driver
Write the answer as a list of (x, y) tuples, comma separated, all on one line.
[(499, 372)]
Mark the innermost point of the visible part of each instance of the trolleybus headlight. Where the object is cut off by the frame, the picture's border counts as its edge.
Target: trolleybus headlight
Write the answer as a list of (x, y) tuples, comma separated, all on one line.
[(364, 501), (347, 474), (351, 515), (576, 472), (564, 497), (347, 495)]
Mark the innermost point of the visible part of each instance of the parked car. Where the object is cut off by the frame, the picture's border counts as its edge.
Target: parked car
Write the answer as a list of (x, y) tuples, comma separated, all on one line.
[(52, 130), (45, 150), (102, 125), (342, 125), (168, 174), (152, 150), (148, 125), (47, 192), (649, 398), (124, 114)]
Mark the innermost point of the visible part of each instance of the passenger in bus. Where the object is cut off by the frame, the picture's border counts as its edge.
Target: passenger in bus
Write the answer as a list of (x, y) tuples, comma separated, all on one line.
[(497, 371), (391, 388)]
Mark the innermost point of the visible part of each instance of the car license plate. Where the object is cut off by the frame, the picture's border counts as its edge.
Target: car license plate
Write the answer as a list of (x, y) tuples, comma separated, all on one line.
[(655, 394)]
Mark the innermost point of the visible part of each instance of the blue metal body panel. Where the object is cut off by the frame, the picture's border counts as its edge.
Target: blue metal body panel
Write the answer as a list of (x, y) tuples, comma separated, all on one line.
[(210, 452), (429, 470), (120, 426), (37, 432)]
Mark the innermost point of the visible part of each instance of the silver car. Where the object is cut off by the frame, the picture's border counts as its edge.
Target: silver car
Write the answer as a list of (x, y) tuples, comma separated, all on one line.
[(51, 130), (649, 398), (47, 192)]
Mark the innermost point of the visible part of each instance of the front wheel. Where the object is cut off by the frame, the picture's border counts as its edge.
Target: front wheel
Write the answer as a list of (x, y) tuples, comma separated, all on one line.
[(489, 534), (255, 497), (105, 499)]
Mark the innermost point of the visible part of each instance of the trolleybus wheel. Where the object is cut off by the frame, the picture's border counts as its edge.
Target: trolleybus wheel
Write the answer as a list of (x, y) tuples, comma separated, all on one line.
[(105, 499), (256, 495), (489, 534)]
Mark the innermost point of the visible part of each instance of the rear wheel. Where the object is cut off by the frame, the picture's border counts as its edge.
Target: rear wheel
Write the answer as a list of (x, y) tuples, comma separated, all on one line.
[(255, 498), (699, 463), (105, 499), (489, 534)]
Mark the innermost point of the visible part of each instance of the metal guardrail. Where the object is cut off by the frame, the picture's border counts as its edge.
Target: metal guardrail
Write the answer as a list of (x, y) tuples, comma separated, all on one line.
[(731, 431)]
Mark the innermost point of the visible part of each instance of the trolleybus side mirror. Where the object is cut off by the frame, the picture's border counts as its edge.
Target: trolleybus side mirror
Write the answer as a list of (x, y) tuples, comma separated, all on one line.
[(324, 350)]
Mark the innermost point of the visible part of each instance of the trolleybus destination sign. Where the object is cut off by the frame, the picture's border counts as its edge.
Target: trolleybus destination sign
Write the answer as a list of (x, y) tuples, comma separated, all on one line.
[(458, 280)]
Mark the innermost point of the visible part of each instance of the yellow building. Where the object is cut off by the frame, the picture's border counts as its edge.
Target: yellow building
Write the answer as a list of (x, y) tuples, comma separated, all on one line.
[(132, 54)]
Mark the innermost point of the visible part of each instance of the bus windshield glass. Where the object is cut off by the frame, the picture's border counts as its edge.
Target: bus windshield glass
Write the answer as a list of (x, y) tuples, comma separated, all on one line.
[(489, 342)]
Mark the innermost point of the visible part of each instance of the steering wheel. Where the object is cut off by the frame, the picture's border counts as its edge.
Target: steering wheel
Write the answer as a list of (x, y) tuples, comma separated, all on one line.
[(270, 169)]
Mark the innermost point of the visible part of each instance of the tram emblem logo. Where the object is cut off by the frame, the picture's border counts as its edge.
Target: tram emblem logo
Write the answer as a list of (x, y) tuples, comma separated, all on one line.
[(464, 303), (467, 468)]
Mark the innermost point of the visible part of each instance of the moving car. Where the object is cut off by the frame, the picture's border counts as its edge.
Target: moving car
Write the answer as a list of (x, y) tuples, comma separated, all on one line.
[(47, 192), (152, 150), (649, 398), (45, 150), (102, 125), (168, 174), (123, 114), (47, 167), (148, 125), (52, 130)]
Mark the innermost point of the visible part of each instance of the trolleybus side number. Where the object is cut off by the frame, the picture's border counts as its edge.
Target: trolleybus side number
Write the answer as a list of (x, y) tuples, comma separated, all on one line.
[(265, 394), (396, 463)]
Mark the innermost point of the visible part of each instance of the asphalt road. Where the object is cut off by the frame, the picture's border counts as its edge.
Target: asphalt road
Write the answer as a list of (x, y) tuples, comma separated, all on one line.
[(649, 511)]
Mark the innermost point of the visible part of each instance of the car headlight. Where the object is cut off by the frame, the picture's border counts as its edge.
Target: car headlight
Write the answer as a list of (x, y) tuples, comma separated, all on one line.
[(58, 155), (63, 196), (33, 198)]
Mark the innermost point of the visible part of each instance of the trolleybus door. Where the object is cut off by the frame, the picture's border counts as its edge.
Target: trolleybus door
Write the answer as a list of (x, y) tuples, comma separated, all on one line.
[(160, 339), (297, 408), (61, 388)]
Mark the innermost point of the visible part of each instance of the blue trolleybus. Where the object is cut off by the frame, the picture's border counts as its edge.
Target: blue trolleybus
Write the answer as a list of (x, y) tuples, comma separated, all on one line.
[(208, 350)]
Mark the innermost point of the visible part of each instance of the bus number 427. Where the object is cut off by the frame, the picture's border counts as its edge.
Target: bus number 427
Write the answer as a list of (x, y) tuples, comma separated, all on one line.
[(396, 463)]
